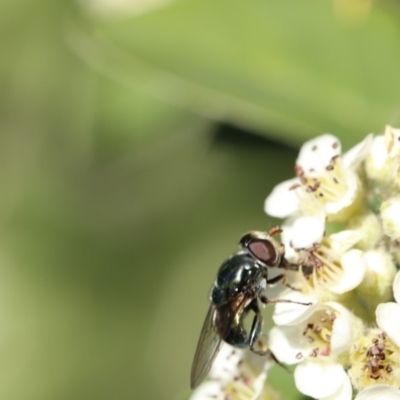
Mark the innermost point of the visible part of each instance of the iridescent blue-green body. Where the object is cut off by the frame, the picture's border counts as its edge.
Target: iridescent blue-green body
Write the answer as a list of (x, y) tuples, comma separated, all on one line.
[(240, 280)]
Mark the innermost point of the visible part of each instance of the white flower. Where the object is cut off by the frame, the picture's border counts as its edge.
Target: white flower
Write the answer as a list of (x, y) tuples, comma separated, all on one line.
[(208, 390), (318, 339), (376, 286), (237, 374), (379, 392), (369, 227), (294, 313), (383, 162), (225, 365), (326, 183), (302, 233), (392, 141), (375, 357), (324, 381), (336, 266), (390, 214), (388, 314)]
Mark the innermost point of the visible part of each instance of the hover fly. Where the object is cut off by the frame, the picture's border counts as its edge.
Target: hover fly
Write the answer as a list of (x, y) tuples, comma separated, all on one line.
[(238, 289)]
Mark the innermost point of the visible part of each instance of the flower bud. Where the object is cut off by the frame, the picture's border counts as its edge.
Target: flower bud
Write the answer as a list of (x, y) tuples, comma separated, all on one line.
[(390, 214)]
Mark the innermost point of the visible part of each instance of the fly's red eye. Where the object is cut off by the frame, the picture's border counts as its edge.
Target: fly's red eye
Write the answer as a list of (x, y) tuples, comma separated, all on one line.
[(264, 251)]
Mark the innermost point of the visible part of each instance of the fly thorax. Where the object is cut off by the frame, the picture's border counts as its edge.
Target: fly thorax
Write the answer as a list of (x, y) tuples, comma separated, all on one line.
[(240, 273)]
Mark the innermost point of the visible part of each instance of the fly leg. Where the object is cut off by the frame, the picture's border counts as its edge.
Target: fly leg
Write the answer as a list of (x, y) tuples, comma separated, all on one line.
[(256, 330), (307, 270), (266, 300), (273, 281), (256, 326), (255, 333), (282, 277)]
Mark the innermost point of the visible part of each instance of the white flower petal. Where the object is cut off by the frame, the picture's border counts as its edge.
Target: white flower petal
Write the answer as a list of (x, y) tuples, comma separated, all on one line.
[(344, 240), (392, 143), (293, 313), (317, 153), (286, 239), (283, 200), (257, 364), (208, 390), (318, 379), (344, 392), (358, 153), (390, 216), (258, 385), (286, 345), (225, 365), (348, 198), (354, 268), (396, 287), (379, 392), (308, 231), (341, 338), (378, 154), (380, 262), (387, 318)]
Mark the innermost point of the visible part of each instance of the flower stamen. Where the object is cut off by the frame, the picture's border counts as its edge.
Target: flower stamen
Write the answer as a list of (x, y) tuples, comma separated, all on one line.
[(326, 267), (326, 187), (319, 331), (375, 359)]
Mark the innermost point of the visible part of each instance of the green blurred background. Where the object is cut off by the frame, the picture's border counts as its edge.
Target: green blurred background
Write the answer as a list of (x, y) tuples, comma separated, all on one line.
[(138, 141)]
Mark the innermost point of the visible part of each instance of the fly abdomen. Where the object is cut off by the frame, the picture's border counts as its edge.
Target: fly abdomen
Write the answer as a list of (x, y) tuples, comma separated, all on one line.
[(237, 336)]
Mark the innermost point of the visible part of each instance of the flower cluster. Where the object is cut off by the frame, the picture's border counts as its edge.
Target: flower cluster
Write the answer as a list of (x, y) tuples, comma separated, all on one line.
[(237, 374), (342, 228)]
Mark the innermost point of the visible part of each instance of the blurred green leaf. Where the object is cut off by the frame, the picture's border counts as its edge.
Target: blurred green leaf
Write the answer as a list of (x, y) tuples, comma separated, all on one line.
[(119, 201), (292, 70), (107, 268), (80, 180)]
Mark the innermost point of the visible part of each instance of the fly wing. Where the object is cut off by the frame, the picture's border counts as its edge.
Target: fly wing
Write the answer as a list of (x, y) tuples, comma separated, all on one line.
[(207, 349), (210, 340)]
